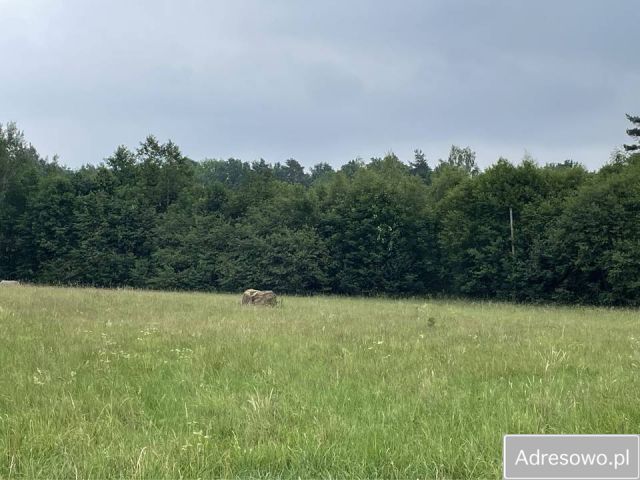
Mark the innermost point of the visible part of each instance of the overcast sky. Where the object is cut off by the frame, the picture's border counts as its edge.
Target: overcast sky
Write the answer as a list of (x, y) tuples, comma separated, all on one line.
[(322, 81)]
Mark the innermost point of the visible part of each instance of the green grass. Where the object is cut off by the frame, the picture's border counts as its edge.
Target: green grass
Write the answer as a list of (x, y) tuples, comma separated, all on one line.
[(105, 383)]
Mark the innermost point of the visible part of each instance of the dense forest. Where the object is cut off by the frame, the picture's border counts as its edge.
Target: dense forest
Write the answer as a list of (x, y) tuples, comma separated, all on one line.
[(153, 218)]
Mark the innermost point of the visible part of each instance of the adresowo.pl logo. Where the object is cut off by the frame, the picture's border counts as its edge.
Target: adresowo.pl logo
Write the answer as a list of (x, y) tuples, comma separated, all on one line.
[(571, 457)]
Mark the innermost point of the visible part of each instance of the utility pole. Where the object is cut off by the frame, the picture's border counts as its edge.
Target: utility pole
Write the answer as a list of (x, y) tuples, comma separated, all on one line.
[(513, 243)]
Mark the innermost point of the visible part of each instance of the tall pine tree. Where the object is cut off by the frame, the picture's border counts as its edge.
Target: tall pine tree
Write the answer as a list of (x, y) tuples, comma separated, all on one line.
[(633, 133)]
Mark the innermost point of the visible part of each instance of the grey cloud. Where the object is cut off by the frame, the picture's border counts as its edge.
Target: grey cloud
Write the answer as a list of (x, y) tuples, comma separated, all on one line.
[(326, 81)]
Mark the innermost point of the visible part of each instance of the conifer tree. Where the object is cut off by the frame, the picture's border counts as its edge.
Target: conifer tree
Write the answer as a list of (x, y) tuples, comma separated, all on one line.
[(633, 133)]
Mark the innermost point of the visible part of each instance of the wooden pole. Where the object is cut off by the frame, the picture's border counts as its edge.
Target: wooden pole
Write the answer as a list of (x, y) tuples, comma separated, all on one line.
[(513, 243)]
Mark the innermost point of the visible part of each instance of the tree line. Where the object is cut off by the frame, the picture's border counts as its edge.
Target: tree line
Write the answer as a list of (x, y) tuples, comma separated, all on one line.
[(153, 218)]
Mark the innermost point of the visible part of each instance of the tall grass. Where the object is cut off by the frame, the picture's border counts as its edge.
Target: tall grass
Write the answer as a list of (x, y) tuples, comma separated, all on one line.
[(104, 383)]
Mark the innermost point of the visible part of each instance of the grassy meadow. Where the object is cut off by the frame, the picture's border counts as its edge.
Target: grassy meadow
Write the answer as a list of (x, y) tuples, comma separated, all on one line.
[(121, 383)]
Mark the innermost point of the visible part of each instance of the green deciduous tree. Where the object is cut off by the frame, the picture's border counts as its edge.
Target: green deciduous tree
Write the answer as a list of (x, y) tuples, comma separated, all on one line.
[(152, 218)]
